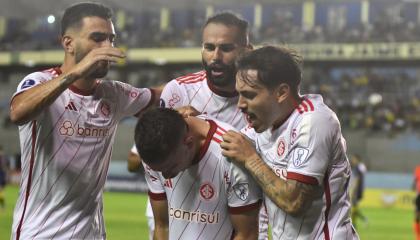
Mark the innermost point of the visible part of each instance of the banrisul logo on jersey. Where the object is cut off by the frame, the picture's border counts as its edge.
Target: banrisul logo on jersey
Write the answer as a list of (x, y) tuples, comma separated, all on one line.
[(196, 216), (68, 128)]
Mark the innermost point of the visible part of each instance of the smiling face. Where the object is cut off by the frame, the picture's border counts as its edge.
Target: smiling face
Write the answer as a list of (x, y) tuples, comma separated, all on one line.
[(260, 104), (221, 47)]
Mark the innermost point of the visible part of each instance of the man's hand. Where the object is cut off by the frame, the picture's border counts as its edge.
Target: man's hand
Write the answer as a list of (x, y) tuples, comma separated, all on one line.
[(237, 147), (94, 59), (187, 111)]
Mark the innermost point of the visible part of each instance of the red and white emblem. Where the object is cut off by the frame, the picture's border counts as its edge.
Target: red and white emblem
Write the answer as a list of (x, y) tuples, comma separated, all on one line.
[(207, 191), (105, 109), (281, 148)]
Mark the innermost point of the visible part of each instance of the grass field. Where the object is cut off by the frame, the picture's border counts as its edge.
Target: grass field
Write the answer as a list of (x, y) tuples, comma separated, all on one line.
[(124, 218)]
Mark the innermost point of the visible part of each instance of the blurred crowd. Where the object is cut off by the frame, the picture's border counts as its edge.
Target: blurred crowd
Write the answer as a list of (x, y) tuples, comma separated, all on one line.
[(378, 99), (144, 30)]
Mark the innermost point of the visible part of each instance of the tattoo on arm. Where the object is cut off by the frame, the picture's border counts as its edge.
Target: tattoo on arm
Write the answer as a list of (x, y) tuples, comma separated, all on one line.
[(291, 196)]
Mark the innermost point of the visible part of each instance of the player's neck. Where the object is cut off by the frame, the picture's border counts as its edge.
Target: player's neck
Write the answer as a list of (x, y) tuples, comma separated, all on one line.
[(225, 91), (289, 106), (199, 128)]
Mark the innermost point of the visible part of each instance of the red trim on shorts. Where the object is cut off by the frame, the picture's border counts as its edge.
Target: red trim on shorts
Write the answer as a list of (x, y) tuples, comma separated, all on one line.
[(29, 183), (157, 196), (302, 178), (327, 210), (247, 208)]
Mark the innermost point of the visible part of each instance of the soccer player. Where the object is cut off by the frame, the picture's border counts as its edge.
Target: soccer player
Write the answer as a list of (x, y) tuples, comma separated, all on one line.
[(195, 192), (212, 90), (299, 158), (416, 187), (357, 188), (67, 118)]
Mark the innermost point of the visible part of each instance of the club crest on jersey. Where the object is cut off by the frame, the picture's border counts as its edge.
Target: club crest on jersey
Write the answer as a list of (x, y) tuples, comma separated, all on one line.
[(281, 148), (27, 83), (241, 190), (299, 156), (207, 191)]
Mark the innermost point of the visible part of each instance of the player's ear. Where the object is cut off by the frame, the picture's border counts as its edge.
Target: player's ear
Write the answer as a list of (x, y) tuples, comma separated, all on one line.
[(67, 43), (282, 92), (189, 140)]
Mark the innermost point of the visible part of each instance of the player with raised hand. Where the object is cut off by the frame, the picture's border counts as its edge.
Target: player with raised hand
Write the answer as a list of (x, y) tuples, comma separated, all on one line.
[(68, 116)]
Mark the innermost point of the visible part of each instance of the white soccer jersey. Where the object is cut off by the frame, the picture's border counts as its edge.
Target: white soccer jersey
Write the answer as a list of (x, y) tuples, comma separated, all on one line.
[(195, 90), (66, 152), (309, 148), (201, 197)]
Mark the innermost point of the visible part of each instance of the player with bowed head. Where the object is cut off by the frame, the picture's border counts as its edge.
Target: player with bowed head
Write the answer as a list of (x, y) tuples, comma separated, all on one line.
[(212, 90), (195, 192)]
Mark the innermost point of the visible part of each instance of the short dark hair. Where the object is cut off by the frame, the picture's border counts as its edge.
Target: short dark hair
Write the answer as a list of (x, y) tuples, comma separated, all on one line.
[(158, 133), (74, 14), (231, 19), (274, 65)]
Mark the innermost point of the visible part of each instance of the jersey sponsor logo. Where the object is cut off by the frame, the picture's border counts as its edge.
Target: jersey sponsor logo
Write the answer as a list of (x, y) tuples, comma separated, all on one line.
[(207, 191), (67, 128), (197, 216), (300, 155), (280, 171), (174, 100), (241, 190), (281, 148), (70, 106), (27, 83)]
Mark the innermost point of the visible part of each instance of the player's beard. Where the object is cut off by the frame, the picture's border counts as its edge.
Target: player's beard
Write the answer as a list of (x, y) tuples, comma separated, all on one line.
[(226, 79), (100, 68)]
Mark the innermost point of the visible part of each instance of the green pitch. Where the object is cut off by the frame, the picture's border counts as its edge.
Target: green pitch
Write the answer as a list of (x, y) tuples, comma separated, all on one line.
[(124, 218)]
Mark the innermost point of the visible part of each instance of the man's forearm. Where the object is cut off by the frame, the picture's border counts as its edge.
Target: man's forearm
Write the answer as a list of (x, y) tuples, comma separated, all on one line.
[(287, 195), (27, 105)]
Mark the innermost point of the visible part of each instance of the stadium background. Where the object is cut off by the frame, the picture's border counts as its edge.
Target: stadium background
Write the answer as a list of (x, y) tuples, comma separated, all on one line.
[(361, 55)]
